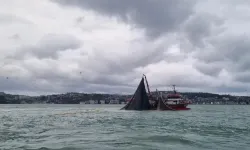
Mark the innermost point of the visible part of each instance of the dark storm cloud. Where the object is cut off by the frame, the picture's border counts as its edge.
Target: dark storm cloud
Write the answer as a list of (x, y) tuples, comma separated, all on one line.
[(244, 64), (49, 46), (216, 53), (208, 69), (234, 47), (242, 77), (157, 17), (200, 26), (209, 56), (230, 52)]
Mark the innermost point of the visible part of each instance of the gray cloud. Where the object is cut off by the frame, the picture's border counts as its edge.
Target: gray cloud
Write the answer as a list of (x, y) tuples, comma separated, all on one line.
[(48, 46), (228, 52), (213, 38), (243, 77), (16, 84), (62, 84), (140, 59), (208, 69), (9, 19), (233, 47), (15, 37), (159, 18), (200, 26), (231, 88), (156, 17)]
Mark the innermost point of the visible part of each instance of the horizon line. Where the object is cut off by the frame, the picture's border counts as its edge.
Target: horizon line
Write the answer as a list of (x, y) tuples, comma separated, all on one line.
[(106, 93)]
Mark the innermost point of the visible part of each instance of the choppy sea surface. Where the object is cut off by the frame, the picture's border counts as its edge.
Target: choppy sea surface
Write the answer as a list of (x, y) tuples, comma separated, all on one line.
[(105, 127)]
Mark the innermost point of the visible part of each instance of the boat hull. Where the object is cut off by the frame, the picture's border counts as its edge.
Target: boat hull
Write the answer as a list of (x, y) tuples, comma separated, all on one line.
[(163, 105), (178, 107)]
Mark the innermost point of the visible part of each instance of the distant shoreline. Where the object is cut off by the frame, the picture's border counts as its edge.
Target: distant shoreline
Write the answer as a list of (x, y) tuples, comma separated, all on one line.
[(197, 98), (108, 104)]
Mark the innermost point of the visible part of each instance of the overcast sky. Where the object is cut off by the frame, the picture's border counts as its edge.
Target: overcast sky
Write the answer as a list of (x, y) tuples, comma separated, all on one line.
[(58, 46)]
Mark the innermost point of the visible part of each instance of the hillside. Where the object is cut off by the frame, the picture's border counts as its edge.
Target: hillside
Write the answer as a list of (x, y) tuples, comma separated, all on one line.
[(76, 98)]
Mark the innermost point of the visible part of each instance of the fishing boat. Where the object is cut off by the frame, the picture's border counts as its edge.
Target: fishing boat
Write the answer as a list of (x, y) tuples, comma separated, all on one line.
[(143, 100), (176, 101)]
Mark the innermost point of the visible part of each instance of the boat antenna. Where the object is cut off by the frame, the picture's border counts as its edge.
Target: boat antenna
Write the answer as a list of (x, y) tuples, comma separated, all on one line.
[(174, 89)]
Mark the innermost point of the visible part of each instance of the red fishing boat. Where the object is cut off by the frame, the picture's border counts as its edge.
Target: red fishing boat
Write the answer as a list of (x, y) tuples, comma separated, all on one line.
[(175, 101), (144, 100)]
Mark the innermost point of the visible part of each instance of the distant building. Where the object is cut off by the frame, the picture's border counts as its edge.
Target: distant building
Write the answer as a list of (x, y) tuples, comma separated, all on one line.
[(23, 97), (114, 102), (91, 101), (23, 102)]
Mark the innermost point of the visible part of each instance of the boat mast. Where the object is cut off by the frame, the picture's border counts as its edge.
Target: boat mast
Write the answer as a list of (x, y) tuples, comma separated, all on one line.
[(174, 89), (147, 84)]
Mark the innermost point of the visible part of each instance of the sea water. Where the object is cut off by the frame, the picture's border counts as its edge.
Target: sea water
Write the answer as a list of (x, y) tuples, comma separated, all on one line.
[(105, 127)]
